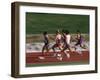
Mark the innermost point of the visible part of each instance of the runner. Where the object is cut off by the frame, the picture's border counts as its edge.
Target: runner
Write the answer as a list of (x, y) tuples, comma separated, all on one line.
[(66, 40), (79, 42), (46, 42), (58, 40)]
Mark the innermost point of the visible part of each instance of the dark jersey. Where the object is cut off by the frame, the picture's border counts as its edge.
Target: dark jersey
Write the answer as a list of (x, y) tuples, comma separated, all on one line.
[(80, 39), (46, 41)]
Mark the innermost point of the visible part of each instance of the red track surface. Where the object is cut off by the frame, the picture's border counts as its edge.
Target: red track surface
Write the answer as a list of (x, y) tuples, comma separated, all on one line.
[(74, 57)]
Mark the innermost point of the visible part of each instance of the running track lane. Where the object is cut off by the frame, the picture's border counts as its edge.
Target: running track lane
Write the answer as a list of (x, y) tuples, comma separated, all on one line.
[(74, 57)]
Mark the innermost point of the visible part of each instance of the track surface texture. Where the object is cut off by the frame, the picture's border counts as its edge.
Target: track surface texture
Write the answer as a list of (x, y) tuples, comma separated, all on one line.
[(47, 58)]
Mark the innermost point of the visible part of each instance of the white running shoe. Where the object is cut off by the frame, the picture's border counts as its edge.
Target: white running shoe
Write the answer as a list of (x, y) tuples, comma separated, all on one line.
[(41, 57), (60, 58)]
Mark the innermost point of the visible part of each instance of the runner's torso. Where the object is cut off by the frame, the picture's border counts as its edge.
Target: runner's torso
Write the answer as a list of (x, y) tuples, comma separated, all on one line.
[(79, 38), (58, 39), (67, 39), (46, 39)]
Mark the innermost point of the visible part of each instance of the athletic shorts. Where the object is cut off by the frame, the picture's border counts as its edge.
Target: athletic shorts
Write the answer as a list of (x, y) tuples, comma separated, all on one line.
[(79, 42), (57, 44)]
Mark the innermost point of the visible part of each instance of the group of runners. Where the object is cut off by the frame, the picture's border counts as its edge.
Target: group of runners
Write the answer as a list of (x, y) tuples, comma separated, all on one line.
[(62, 42)]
